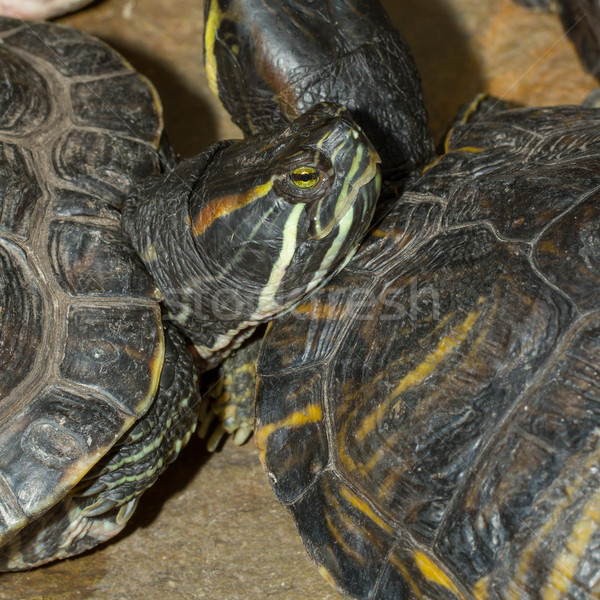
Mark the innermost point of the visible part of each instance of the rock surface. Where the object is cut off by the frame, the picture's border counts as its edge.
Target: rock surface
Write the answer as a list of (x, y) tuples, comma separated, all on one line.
[(210, 528)]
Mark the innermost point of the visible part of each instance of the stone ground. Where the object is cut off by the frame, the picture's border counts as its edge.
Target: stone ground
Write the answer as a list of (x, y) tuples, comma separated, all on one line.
[(211, 528)]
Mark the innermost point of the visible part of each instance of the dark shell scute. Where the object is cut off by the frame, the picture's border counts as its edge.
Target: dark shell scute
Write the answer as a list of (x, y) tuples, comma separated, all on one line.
[(123, 104), (103, 164), (519, 169), (548, 446), (24, 96), (21, 320), (461, 329), (318, 325), (293, 431), (332, 516), (52, 444), (19, 189), (42, 443), (69, 51), (97, 261), (69, 203), (422, 572), (413, 219), (117, 339), (568, 253), (392, 585)]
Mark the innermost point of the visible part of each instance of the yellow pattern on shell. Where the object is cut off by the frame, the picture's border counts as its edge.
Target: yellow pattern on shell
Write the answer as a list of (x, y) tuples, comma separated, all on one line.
[(480, 591), (470, 149), (364, 508), (528, 555), (327, 576), (336, 533), (312, 413), (413, 378), (407, 576), (566, 564), (433, 573)]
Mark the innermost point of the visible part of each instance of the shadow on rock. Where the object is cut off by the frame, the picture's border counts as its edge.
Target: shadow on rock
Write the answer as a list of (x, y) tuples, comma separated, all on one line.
[(450, 71)]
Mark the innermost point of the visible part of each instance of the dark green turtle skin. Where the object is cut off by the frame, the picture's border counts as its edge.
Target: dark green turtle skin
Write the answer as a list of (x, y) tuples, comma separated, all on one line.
[(267, 70), (430, 416), (97, 388), (228, 261)]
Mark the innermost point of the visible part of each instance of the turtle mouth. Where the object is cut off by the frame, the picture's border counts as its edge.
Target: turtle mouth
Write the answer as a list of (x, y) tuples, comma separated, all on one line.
[(357, 181)]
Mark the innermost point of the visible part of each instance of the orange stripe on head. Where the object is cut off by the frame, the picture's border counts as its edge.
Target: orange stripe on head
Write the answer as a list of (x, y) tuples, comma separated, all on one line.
[(224, 205)]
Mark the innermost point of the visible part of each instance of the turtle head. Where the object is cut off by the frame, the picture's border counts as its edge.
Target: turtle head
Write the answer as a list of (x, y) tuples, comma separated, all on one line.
[(249, 228), (270, 61)]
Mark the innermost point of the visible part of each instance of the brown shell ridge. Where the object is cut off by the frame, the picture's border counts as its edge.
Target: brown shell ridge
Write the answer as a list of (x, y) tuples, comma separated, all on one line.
[(43, 363), (19, 25), (535, 268)]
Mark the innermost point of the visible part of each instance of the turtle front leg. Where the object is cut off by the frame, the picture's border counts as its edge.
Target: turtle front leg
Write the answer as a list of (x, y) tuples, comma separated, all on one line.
[(100, 506), (231, 397)]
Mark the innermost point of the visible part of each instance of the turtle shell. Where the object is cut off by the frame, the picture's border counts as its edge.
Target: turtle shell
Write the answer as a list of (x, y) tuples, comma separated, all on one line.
[(431, 418), (81, 341)]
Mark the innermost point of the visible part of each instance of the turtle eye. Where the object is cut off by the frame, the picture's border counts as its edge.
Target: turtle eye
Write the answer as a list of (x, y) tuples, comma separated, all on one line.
[(305, 178)]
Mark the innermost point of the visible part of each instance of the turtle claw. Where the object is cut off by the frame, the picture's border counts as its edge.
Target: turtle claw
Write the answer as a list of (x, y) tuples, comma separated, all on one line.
[(94, 489), (215, 438), (242, 435), (229, 398), (102, 506), (126, 511)]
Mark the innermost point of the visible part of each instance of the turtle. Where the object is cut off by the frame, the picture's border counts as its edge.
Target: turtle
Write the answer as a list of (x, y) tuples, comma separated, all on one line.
[(117, 261), (323, 70), (326, 67), (430, 417)]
